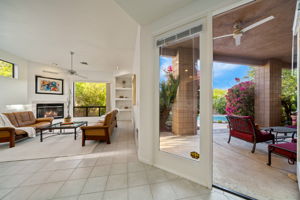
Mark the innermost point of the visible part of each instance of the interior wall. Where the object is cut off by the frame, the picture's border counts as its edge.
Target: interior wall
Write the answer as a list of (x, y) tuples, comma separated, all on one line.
[(38, 69), (21, 91), (13, 90), (149, 117), (136, 71)]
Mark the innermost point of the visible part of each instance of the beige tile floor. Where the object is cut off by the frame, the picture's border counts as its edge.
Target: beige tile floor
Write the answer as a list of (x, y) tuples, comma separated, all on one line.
[(236, 168), (112, 172)]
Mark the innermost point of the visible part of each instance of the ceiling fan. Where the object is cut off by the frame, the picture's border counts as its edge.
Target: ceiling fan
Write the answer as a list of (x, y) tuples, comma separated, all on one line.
[(239, 30), (71, 71)]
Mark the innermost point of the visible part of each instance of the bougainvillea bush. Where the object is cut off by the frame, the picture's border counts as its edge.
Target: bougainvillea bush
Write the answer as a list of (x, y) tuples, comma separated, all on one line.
[(240, 99)]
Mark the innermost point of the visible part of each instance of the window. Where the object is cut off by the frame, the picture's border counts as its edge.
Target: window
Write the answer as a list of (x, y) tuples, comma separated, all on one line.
[(7, 69), (89, 99)]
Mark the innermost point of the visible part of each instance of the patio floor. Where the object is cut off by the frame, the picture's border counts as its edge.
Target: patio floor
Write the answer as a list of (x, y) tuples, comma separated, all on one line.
[(235, 167)]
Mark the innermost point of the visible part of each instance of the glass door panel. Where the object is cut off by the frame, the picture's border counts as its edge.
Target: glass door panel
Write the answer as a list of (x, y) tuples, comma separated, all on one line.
[(179, 97)]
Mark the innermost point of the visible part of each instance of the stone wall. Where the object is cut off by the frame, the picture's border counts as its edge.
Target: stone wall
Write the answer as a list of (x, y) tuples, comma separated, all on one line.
[(267, 93), (186, 105)]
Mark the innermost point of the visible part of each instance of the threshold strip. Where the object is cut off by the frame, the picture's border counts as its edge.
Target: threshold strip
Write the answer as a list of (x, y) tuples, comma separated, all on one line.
[(234, 192)]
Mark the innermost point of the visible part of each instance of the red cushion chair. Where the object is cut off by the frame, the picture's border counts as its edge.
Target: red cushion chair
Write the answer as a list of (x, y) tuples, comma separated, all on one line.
[(243, 127), (287, 149)]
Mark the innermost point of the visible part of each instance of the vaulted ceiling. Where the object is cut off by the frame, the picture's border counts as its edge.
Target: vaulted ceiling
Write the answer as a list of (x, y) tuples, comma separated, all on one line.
[(99, 31), (146, 11)]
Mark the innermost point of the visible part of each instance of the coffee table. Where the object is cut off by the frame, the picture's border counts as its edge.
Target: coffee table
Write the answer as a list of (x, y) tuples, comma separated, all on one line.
[(285, 132), (60, 126)]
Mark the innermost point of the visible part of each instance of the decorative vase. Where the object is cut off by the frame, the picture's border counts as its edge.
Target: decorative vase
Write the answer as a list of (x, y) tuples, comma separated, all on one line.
[(68, 119)]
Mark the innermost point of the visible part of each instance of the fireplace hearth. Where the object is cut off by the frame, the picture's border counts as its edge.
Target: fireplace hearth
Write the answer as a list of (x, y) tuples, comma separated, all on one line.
[(55, 110)]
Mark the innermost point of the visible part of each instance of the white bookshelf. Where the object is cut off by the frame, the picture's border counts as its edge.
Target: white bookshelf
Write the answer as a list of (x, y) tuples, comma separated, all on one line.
[(123, 96)]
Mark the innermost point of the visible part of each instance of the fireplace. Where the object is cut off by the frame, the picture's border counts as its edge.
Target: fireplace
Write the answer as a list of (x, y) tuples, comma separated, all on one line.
[(55, 110)]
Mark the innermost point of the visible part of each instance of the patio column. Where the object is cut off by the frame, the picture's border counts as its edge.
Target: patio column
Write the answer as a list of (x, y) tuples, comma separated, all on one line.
[(184, 110), (267, 93)]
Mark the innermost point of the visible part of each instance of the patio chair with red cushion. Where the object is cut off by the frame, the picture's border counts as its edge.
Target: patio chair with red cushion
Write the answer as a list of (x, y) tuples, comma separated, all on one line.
[(243, 127), (287, 149)]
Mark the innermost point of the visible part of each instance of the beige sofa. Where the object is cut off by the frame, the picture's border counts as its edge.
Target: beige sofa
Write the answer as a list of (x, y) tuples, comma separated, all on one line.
[(21, 119)]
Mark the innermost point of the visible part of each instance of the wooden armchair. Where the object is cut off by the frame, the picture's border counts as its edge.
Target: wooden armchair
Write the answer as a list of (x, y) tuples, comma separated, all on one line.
[(7, 134), (101, 130)]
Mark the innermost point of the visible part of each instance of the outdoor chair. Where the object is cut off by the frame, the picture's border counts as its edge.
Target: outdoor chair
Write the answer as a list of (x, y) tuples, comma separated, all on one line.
[(287, 149), (243, 127)]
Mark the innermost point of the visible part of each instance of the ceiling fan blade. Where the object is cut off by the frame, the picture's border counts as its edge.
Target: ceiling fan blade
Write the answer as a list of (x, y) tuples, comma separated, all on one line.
[(50, 72), (80, 76), (257, 23), (223, 36)]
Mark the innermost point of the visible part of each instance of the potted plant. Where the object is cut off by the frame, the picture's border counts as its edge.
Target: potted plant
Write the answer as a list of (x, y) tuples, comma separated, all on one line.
[(68, 118), (124, 83)]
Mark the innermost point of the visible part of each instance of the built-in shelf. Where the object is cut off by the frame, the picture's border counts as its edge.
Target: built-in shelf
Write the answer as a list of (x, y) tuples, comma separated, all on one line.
[(123, 88), (123, 99)]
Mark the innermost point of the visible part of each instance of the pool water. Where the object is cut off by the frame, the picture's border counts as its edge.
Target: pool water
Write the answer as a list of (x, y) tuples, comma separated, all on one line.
[(217, 118)]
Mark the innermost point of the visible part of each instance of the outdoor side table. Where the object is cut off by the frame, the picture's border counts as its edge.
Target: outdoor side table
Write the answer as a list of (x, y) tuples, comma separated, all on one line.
[(281, 132)]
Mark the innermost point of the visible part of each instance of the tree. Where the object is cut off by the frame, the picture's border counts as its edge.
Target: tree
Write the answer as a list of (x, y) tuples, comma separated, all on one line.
[(167, 96), (90, 94), (240, 99), (6, 69), (251, 74), (219, 100), (288, 93)]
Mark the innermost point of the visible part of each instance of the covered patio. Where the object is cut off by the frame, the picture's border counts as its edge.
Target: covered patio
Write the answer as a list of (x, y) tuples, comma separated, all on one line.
[(268, 49)]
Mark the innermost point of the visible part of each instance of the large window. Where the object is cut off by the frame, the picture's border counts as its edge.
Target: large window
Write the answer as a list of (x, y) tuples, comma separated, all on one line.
[(89, 99), (6, 69)]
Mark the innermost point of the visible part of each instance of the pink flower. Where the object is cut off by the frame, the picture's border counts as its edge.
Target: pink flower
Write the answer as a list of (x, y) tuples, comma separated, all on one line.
[(242, 88), (237, 79)]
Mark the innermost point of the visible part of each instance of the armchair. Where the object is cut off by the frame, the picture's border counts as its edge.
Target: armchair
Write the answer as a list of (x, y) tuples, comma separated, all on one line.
[(7, 134), (101, 130)]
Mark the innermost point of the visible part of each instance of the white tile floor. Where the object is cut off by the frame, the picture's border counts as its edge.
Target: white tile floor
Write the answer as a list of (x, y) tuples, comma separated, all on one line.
[(112, 172)]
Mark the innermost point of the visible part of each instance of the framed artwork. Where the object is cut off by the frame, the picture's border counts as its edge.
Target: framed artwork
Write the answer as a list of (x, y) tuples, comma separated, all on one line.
[(133, 89), (46, 85)]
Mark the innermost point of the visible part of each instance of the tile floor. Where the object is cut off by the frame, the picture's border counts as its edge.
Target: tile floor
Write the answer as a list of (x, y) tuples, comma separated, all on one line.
[(112, 172), (253, 174)]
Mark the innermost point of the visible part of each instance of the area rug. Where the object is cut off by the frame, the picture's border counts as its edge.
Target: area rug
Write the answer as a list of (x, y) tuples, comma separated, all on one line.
[(54, 146)]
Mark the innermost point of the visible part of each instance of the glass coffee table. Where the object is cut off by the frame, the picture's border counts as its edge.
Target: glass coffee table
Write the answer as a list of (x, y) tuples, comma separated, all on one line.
[(62, 127)]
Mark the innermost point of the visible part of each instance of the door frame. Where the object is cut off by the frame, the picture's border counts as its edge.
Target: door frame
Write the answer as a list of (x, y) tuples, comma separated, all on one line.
[(197, 171)]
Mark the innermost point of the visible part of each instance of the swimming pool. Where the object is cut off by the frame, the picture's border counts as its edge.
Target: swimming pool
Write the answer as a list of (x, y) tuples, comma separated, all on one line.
[(217, 118)]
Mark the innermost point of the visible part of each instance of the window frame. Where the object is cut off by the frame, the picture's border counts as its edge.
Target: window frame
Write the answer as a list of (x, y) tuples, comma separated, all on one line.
[(13, 68), (74, 95)]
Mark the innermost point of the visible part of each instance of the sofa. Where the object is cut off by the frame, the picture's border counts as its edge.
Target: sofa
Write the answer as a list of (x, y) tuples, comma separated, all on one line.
[(244, 128), (102, 130), (21, 119)]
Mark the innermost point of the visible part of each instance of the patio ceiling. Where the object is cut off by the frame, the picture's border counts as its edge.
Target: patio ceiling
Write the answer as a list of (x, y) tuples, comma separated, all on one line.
[(270, 40)]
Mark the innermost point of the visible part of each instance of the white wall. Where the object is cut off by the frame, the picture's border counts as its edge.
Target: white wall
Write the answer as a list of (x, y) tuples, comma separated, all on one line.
[(136, 71), (147, 110), (13, 91), (38, 69), (21, 91)]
